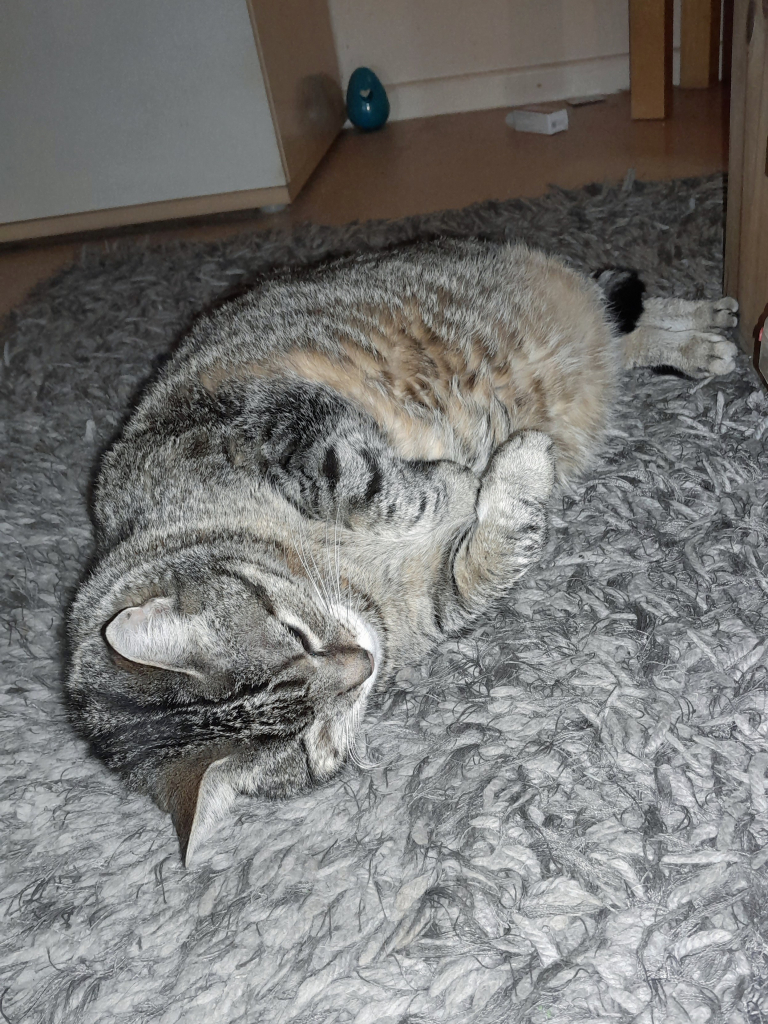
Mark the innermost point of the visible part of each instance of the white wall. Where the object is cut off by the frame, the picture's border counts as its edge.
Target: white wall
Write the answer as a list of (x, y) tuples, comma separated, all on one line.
[(442, 56)]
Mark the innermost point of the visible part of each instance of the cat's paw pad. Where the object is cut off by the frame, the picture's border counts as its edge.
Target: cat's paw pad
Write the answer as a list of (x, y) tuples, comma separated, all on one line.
[(706, 355), (724, 313)]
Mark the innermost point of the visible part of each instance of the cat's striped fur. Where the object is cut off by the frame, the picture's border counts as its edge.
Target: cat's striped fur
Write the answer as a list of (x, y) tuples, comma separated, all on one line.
[(331, 473)]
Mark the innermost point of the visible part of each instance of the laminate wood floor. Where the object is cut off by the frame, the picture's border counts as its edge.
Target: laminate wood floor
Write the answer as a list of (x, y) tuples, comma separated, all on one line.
[(437, 163)]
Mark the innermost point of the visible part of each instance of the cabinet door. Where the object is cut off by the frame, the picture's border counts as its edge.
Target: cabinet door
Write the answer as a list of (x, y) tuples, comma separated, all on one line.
[(746, 252), (114, 104)]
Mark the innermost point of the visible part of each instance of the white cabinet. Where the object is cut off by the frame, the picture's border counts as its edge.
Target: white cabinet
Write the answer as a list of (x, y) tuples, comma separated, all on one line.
[(115, 112)]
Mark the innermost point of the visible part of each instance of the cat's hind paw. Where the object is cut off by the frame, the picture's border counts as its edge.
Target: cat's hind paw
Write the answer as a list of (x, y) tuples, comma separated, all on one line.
[(690, 314), (723, 313), (706, 354)]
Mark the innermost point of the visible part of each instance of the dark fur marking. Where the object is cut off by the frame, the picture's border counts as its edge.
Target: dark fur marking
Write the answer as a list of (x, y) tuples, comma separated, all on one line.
[(291, 446), (671, 371), (331, 467), (258, 591), (623, 292), (375, 484), (376, 479)]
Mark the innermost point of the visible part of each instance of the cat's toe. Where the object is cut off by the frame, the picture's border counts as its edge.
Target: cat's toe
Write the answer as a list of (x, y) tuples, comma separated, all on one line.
[(725, 313)]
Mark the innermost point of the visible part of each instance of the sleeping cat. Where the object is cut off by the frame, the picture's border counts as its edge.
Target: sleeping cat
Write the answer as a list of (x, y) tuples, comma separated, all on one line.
[(332, 473)]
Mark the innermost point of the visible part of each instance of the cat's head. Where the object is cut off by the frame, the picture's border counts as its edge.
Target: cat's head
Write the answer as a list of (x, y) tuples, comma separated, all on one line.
[(199, 677)]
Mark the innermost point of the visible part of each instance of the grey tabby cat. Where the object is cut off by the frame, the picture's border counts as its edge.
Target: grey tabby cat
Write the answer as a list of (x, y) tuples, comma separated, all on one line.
[(332, 473)]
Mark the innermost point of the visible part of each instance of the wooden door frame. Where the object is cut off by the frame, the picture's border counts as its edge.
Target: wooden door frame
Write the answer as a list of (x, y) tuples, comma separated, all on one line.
[(746, 238)]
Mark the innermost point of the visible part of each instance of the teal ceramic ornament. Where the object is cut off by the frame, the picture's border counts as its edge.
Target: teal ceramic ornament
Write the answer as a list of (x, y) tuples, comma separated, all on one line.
[(367, 101)]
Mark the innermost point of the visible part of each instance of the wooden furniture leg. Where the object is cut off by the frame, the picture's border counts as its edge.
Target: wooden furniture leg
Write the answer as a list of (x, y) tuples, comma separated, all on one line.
[(699, 43), (650, 58)]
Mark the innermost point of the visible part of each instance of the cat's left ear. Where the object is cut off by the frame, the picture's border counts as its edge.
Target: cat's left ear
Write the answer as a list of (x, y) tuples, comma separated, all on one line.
[(197, 793), (155, 634)]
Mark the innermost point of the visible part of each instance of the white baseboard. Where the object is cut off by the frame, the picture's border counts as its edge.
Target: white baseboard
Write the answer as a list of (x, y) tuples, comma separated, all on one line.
[(508, 88)]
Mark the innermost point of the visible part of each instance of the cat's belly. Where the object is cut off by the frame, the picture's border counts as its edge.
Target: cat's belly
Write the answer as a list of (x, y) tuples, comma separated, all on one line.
[(460, 423), (437, 397), (428, 409)]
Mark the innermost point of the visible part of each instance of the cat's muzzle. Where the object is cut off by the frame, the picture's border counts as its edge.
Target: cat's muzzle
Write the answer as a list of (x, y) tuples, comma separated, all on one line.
[(354, 665)]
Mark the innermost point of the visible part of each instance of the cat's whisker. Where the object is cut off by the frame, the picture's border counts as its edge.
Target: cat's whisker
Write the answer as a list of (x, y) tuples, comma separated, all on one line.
[(355, 756), (333, 569), (305, 564), (350, 611), (337, 552), (323, 579), (328, 553), (326, 600)]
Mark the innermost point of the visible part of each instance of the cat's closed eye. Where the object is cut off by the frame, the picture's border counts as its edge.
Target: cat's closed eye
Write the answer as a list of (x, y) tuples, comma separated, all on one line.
[(301, 636)]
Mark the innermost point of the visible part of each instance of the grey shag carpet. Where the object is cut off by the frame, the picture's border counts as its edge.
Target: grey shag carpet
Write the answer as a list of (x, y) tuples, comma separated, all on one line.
[(562, 818)]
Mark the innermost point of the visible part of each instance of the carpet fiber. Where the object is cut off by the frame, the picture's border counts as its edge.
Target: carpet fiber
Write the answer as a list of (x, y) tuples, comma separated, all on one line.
[(563, 817)]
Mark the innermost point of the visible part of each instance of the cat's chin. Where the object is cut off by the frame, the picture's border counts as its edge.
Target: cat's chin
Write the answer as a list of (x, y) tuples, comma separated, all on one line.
[(329, 741)]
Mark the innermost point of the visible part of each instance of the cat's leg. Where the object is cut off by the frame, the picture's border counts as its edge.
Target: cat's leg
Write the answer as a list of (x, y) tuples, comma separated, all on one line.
[(690, 314), (334, 463), (684, 334), (509, 530)]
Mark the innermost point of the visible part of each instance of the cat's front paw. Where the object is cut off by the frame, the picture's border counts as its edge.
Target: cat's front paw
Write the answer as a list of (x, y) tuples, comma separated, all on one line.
[(526, 462), (511, 527), (519, 479)]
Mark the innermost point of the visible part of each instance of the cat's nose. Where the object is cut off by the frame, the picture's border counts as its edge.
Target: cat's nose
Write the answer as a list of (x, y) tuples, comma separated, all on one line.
[(354, 665)]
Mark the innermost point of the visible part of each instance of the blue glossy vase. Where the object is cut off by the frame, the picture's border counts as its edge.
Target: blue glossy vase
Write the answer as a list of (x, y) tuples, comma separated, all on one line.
[(367, 101)]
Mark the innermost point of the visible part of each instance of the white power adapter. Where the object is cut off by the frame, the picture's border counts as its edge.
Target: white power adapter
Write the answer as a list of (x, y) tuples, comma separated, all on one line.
[(541, 119)]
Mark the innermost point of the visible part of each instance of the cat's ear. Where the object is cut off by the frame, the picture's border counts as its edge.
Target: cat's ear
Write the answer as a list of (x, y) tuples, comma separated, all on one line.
[(155, 634), (197, 794)]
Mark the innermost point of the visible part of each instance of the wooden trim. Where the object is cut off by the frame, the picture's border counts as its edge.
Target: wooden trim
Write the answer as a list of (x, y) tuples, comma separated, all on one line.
[(699, 43), (753, 257), (144, 213), (746, 257), (298, 58), (736, 148), (508, 87), (650, 58)]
